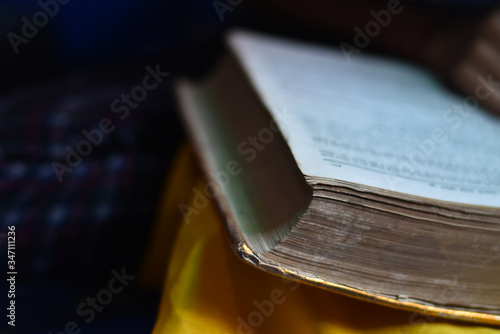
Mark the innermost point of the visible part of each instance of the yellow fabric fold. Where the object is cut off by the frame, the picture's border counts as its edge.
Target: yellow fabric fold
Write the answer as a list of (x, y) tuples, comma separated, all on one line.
[(207, 289)]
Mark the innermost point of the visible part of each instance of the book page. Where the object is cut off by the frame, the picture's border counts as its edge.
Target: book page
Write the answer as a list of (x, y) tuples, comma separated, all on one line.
[(375, 121)]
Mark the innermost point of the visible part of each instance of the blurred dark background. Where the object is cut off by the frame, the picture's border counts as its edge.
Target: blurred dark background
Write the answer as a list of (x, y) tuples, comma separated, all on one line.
[(60, 76)]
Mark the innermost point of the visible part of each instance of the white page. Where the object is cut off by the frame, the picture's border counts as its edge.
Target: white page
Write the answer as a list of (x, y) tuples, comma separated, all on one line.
[(374, 121)]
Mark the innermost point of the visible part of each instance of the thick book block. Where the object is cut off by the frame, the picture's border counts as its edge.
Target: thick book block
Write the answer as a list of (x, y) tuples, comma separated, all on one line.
[(366, 177)]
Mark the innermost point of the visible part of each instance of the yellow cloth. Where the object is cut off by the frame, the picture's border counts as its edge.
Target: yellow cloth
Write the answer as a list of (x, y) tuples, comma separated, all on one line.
[(209, 290)]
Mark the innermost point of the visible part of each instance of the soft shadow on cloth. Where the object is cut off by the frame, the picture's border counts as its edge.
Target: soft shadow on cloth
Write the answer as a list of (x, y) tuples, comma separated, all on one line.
[(207, 289)]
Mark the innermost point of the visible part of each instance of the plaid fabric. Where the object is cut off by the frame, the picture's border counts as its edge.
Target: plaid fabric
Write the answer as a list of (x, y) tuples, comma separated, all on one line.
[(98, 217)]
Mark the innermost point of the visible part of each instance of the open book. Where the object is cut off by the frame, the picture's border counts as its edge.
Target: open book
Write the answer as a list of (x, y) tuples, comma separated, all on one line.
[(366, 177)]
